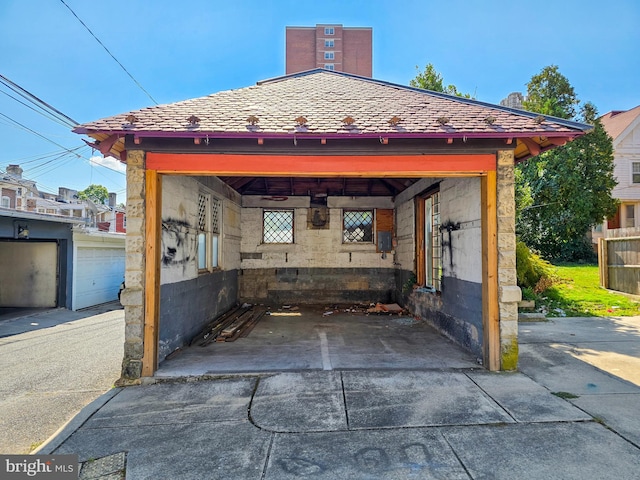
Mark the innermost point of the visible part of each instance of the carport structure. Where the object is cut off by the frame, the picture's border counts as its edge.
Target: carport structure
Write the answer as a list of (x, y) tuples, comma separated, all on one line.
[(323, 187)]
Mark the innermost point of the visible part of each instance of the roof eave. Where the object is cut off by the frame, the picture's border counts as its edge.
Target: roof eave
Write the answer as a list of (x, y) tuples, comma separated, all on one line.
[(331, 135)]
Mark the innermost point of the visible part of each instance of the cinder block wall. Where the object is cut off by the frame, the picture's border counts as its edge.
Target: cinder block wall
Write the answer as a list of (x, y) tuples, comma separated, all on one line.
[(189, 298), (318, 267), (457, 309)]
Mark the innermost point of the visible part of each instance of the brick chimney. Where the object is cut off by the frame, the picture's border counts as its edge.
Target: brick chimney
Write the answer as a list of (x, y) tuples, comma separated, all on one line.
[(112, 199)]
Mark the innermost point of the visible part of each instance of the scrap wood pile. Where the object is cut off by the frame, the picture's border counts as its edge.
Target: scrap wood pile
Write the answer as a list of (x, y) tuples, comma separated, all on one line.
[(235, 323), (377, 308)]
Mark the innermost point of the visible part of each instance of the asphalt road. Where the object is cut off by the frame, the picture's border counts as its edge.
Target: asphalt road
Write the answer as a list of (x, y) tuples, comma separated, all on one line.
[(52, 364)]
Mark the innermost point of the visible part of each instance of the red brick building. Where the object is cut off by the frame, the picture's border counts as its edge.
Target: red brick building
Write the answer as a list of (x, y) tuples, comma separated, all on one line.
[(334, 47)]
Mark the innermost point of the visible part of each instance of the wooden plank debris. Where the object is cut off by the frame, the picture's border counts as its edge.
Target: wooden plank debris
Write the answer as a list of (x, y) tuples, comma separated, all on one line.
[(386, 308), (231, 325)]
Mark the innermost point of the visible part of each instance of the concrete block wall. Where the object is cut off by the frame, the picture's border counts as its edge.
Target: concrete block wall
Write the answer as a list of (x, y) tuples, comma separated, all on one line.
[(460, 204), (457, 309), (405, 251), (190, 298), (179, 229), (322, 248), (317, 263)]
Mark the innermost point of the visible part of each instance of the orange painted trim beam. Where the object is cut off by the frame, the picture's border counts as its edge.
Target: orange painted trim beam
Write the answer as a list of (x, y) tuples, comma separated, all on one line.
[(319, 165)]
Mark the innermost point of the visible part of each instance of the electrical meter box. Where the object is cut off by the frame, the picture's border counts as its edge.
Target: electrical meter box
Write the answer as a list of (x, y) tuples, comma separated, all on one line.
[(384, 242)]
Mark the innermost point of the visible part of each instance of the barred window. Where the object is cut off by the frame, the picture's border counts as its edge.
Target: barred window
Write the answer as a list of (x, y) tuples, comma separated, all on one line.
[(216, 215), (216, 226), (203, 201), (434, 245), (357, 226), (429, 240), (277, 226)]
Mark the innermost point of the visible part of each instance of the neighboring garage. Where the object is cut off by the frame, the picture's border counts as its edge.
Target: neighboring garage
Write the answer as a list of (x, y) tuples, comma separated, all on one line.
[(98, 259), (323, 187), (36, 259), (33, 265), (51, 261)]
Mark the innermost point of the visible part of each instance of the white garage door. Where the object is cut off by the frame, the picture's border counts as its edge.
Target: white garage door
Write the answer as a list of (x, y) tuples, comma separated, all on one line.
[(98, 274), (28, 272)]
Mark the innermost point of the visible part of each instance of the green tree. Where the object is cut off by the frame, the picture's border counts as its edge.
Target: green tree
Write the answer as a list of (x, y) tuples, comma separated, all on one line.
[(95, 193), (430, 79), (562, 193), (550, 93)]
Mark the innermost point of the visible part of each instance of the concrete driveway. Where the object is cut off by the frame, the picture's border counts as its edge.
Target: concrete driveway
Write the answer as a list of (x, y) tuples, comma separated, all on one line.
[(596, 360), (53, 363), (453, 423)]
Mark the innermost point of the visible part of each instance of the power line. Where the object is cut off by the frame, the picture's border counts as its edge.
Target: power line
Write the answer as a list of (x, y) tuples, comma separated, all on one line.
[(46, 115), (41, 104), (38, 134), (67, 150), (111, 54)]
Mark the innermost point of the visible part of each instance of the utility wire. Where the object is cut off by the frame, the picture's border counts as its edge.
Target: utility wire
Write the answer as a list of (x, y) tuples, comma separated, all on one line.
[(37, 102), (46, 115), (39, 134), (67, 150), (111, 54)]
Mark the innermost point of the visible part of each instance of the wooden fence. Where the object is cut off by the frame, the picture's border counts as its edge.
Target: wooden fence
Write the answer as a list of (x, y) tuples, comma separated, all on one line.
[(619, 264)]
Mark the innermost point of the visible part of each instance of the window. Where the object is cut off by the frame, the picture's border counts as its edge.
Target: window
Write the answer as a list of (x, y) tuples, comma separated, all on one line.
[(277, 226), (630, 220), (216, 223), (328, 55), (203, 224), (328, 44), (6, 202), (635, 172), (329, 66), (429, 254), (357, 226), (329, 31)]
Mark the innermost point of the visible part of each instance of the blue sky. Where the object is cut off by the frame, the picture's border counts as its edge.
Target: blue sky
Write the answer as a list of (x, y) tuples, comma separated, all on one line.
[(180, 50)]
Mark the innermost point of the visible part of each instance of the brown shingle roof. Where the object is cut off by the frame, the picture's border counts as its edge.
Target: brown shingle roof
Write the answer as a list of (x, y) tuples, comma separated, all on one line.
[(325, 99)]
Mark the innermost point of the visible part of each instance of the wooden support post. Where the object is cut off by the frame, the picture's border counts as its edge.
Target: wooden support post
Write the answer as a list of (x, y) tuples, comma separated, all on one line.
[(490, 306), (153, 209)]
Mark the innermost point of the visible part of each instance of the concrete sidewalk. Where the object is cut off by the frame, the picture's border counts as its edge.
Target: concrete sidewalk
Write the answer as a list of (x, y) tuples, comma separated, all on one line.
[(388, 424)]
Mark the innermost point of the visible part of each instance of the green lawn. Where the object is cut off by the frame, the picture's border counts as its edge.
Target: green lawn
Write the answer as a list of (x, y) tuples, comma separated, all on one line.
[(577, 293)]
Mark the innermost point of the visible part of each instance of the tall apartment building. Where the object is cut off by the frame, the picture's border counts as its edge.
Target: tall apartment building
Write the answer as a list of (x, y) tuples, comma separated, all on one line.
[(330, 46)]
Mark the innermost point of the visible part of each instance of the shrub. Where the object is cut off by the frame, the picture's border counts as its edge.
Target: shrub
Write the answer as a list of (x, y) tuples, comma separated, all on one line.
[(533, 272)]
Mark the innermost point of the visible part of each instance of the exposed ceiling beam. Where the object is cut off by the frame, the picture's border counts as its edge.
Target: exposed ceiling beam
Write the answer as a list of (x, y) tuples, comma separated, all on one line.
[(239, 182), (396, 184), (389, 186)]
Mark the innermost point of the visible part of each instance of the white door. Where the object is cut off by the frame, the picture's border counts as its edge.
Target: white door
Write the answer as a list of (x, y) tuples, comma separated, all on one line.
[(98, 273), (28, 274)]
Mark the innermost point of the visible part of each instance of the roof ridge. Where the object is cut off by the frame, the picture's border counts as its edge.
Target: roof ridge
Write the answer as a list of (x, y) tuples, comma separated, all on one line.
[(446, 96)]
